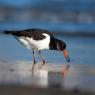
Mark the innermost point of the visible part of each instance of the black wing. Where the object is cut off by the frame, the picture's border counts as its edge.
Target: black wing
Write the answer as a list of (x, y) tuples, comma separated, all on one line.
[(36, 34)]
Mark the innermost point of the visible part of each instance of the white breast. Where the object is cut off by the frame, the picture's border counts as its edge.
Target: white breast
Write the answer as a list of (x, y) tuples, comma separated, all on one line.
[(37, 44)]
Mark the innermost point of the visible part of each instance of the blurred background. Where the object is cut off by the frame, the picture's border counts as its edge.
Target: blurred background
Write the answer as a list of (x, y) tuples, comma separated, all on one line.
[(71, 20)]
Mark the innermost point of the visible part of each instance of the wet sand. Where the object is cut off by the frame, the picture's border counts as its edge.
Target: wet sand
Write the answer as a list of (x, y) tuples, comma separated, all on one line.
[(27, 90), (24, 78)]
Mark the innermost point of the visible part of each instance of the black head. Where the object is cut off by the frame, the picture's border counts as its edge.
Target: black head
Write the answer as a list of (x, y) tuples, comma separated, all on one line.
[(60, 45), (56, 44)]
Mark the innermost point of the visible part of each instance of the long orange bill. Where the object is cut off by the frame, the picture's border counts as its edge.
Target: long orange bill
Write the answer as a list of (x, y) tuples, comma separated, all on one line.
[(66, 55)]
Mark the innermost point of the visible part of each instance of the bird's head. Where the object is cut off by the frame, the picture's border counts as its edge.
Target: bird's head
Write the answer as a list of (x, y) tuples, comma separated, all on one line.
[(61, 46)]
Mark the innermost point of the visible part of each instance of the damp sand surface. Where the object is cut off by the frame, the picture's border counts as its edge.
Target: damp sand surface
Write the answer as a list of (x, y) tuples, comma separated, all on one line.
[(24, 77)]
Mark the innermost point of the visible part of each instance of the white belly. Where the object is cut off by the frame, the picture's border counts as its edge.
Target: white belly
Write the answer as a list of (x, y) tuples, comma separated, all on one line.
[(36, 44), (24, 42)]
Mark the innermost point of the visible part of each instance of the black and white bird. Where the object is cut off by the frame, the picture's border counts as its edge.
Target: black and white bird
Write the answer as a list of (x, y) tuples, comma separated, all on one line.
[(39, 39)]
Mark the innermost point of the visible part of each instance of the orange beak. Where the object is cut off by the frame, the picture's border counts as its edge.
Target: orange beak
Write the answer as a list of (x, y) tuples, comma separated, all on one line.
[(66, 55)]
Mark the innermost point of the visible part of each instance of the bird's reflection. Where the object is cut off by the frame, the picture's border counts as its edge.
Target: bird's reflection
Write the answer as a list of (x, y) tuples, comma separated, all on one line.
[(65, 70), (43, 77), (40, 75), (34, 68)]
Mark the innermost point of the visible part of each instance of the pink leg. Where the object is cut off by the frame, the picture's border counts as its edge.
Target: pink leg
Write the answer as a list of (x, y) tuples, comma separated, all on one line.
[(40, 53), (34, 57)]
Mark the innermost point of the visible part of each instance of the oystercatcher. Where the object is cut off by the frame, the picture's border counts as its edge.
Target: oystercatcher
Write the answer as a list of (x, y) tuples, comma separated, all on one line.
[(39, 39)]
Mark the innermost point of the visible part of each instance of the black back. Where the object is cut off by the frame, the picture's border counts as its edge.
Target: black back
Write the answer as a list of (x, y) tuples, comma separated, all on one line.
[(36, 34)]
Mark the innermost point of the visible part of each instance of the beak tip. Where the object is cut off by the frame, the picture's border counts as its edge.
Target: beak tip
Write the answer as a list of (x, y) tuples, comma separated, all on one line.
[(68, 59), (66, 55)]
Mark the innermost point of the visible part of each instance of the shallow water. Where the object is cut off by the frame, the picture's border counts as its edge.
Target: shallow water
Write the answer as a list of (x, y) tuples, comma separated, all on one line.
[(81, 50)]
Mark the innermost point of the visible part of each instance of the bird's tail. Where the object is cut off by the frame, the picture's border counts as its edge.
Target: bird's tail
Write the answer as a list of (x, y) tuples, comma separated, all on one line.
[(8, 32), (5, 32)]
